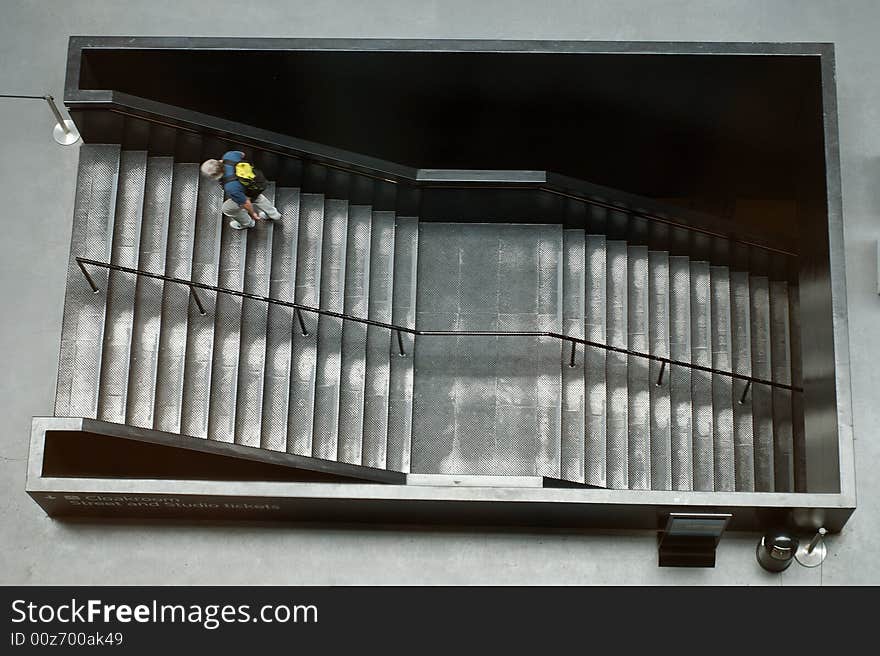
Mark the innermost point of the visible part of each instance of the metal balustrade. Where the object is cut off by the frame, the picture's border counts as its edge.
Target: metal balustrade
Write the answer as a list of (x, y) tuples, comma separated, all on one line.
[(398, 330)]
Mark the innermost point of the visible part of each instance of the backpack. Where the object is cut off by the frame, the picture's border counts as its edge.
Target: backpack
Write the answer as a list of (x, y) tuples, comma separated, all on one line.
[(252, 179)]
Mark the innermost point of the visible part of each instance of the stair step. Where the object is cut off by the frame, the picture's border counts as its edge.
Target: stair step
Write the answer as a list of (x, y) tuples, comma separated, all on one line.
[(780, 338), (176, 298), (227, 335), (659, 338), (617, 395), (79, 366), (681, 412), (403, 313), (549, 380), (377, 372), (354, 335), (638, 370), (505, 290), (113, 386), (198, 358), (254, 319), (329, 356), (595, 312), (437, 303), (281, 322), (741, 340), (797, 400), (140, 406), (304, 349), (760, 395), (701, 381), (722, 386), (573, 417)]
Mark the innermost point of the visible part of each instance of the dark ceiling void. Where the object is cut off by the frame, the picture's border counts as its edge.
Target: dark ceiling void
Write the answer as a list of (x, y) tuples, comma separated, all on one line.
[(711, 129)]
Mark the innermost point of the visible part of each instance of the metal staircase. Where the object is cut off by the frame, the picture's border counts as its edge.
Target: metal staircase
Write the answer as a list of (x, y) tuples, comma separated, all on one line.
[(140, 352)]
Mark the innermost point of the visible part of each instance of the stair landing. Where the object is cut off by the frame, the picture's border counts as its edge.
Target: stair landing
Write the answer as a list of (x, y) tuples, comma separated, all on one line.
[(488, 405)]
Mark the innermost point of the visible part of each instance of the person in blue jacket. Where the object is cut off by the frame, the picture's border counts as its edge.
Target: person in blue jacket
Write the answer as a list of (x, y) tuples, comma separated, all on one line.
[(243, 185)]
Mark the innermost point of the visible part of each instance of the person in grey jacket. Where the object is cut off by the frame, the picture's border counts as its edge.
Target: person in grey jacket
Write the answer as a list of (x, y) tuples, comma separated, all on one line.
[(243, 187)]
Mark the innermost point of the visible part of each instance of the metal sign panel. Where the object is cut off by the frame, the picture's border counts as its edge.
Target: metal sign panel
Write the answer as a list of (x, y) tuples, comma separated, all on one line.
[(697, 525), (690, 539)]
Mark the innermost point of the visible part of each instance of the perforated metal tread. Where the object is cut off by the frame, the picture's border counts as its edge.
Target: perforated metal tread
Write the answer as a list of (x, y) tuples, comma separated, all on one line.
[(281, 323), (760, 396), (722, 386), (82, 332), (660, 394), (254, 320), (780, 348), (638, 370), (301, 402), (403, 313), (140, 406), (595, 386), (227, 335), (437, 298), (797, 400), (119, 318), (378, 353), (549, 351), (488, 404), (701, 381), (617, 392), (573, 418), (354, 335), (741, 341), (328, 367), (681, 411), (198, 361), (176, 299)]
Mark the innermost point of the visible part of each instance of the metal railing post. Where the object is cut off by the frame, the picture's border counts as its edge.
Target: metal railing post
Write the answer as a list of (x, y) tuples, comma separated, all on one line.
[(816, 539), (198, 301), (65, 131), (302, 324), (813, 554), (91, 282), (399, 330)]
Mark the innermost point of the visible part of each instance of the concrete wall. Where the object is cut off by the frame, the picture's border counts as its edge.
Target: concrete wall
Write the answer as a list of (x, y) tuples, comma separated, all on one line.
[(38, 180)]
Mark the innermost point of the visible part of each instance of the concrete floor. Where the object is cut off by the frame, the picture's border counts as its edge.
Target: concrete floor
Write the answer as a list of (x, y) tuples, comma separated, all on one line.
[(39, 177)]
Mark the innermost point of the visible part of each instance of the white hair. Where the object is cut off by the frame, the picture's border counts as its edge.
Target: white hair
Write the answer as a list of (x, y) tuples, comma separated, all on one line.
[(212, 168)]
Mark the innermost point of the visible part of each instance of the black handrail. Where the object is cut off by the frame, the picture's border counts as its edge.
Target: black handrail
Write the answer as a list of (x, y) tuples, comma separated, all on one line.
[(669, 222), (299, 307), (547, 187), (65, 133), (22, 97), (391, 172)]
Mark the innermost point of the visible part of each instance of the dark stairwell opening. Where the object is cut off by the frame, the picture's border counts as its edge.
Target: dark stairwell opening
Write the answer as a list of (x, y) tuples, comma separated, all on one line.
[(735, 136), (738, 137)]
